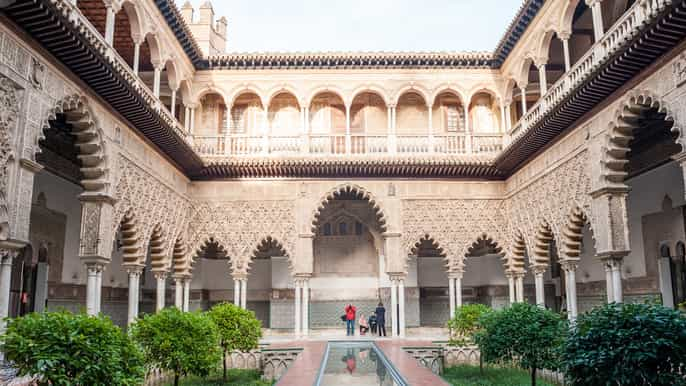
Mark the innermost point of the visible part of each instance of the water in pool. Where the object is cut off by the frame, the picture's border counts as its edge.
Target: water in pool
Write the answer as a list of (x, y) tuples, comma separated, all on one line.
[(358, 364)]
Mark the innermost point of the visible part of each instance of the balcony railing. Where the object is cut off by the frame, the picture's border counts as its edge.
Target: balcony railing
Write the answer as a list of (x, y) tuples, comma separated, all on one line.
[(622, 31), (340, 144)]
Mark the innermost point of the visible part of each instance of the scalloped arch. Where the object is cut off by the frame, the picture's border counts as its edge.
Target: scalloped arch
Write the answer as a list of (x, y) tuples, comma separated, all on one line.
[(361, 192), (620, 132), (90, 142)]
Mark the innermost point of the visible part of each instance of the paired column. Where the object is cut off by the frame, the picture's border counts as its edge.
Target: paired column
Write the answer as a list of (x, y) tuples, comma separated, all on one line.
[(94, 287), (398, 305), (455, 289), (522, 91), (302, 305), (161, 279), (134, 273), (519, 286), (569, 267), (173, 102), (616, 268), (240, 289), (6, 256), (348, 139), (511, 287), (178, 292)]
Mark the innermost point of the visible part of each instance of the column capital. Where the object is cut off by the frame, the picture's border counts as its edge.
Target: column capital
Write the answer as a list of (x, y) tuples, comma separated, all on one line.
[(539, 269), (518, 274), (397, 276), (564, 35), (569, 264), (610, 190), (134, 269), (160, 275), (456, 274), (7, 255), (95, 266)]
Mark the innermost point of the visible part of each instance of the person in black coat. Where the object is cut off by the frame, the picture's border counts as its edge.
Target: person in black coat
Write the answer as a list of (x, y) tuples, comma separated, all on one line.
[(381, 319)]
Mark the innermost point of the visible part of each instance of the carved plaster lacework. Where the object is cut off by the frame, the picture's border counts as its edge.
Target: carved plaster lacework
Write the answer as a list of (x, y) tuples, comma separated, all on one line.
[(161, 213), (542, 210), (454, 224), (9, 109), (241, 226)]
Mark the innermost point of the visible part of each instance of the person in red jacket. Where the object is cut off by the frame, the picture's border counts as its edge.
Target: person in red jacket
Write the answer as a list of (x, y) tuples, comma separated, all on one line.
[(350, 320)]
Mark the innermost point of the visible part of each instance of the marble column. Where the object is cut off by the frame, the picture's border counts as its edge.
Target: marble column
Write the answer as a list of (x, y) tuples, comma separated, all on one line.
[(519, 284), (348, 139), (596, 12), (306, 307), (616, 268), (511, 287), (394, 308), (5, 282), (134, 291), (186, 294), (110, 15), (503, 122), (178, 292), (157, 73), (609, 287), (244, 293), (186, 117), (431, 128), (508, 118), (98, 289), (173, 103), (569, 267), (542, 81), (136, 56), (522, 91), (94, 271), (161, 279), (451, 296), (192, 119), (298, 309), (458, 290), (565, 51), (401, 306), (540, 289), (237, 292)]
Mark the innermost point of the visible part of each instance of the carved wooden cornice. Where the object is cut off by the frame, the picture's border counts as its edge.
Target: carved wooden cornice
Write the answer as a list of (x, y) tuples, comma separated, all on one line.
[(351, 166)]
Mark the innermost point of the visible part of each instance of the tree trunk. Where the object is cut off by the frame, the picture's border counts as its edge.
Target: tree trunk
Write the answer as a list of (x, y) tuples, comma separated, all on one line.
[(224, 363), (533, 376), (176, 379), (481, 364)]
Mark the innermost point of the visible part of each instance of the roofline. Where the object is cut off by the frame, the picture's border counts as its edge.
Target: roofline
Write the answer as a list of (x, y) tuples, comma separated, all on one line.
[(480, 59)]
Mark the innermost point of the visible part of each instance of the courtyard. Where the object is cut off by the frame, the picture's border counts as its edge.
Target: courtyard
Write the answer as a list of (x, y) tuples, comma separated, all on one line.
[(173, 211)]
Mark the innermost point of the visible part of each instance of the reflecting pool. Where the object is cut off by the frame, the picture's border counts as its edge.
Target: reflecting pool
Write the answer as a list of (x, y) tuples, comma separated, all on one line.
[(359, 364)]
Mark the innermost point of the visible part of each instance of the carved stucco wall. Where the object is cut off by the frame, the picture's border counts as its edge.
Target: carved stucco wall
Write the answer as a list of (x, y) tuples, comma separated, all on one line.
[(240, 226), (454, 224), (550, 199), (153, 204)]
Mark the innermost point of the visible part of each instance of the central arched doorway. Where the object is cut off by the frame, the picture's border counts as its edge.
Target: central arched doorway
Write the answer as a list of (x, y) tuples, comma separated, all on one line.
[(348, 251)]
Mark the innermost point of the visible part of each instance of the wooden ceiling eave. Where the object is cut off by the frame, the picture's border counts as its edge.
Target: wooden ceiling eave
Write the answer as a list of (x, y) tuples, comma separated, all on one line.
[(655, 40), (69, 43)]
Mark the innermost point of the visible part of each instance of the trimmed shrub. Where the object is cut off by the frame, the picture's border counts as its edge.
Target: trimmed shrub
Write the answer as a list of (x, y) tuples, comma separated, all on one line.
[(627, 344), (523, 334), (184, 343), (62, 348), (465, 323), (238, 329)]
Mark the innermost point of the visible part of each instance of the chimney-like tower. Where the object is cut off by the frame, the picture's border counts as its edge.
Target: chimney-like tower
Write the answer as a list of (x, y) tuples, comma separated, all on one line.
[(187, 12), (210, 36)]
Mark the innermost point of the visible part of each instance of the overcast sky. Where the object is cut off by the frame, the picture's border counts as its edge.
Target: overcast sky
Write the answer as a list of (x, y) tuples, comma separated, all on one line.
[(364, 25)]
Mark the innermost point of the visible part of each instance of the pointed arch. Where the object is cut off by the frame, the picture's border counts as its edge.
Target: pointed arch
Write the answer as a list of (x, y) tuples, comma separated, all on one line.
[(155, 48), (134, 13), (621, 131), (89, 141), (211, 89), (567, 17), (449, 89), (356, 191), (482, 88), (245, 89), (543, 50)]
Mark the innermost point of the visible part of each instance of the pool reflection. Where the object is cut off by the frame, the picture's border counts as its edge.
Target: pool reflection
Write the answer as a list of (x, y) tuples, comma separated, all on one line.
[(357, 365)]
